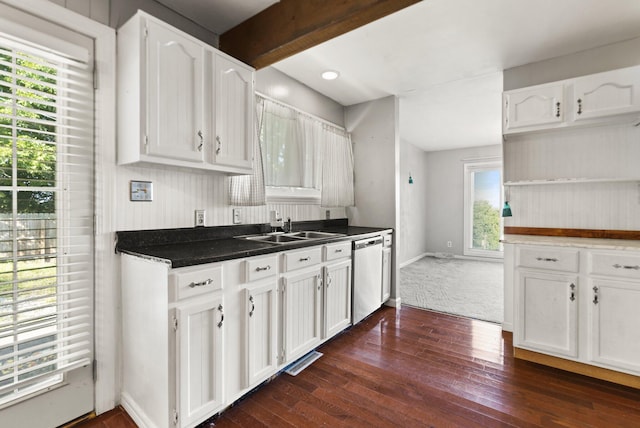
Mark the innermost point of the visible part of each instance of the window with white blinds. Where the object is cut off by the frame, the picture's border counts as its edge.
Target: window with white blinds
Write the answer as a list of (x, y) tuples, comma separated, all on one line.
[(46, 217)]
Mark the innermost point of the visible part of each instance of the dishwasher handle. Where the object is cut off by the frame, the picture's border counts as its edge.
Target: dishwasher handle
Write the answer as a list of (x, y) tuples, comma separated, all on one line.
[(357, 245)]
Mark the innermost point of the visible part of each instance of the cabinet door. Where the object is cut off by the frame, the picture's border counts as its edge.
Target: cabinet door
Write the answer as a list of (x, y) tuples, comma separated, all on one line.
[(234, 113), (337, 298), (536, 107), (547, 313), (261, 323), (199, 365), (607, 94), (174, 101), (301, 314), (386, 274), (614, 320)]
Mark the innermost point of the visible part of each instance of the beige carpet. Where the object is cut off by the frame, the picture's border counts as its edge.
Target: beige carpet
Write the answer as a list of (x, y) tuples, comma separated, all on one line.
[(468, 288)]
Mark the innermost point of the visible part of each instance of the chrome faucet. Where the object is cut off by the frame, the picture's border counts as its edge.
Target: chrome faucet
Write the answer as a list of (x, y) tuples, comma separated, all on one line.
[(287, 227)]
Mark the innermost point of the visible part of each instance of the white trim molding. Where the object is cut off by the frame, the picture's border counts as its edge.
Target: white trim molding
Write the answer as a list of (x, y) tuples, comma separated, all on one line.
[(107, 325)]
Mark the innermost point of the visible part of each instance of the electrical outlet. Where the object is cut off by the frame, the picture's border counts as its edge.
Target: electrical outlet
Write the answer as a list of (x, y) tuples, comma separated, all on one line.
[(200, 217), (449, 244), (237, 216), (327, 214)]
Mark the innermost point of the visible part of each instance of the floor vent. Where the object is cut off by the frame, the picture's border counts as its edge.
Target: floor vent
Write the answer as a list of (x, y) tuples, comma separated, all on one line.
[(303, 363)]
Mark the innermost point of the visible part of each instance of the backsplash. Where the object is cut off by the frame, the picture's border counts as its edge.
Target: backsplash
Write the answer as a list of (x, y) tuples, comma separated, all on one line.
[(177, 193)]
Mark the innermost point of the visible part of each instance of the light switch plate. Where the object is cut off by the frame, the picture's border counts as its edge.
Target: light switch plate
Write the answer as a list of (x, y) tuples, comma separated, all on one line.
[(140, 191)]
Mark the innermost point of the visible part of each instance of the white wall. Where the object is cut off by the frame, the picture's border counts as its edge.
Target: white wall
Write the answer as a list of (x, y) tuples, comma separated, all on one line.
[(376, 150), (414, 203), (445, 193)]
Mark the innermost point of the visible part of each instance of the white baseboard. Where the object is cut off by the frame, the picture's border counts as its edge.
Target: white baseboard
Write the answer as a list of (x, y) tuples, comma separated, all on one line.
[(415, 259), (134, 411), (450, 256), (394, 303)]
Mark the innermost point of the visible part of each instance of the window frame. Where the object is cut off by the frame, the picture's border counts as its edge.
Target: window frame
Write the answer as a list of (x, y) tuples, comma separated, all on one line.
[(470, 167)]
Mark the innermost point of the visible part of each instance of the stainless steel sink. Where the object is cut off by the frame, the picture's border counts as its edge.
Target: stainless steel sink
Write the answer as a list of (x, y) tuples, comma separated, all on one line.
[(277, 239), (284, 238), (312, 234)]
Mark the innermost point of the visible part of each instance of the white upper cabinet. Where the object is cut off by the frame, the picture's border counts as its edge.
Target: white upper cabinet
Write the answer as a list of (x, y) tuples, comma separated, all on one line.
[(607, 94), (532, 107), (174, 95), (234, 110), (591, 99), (182, 102)]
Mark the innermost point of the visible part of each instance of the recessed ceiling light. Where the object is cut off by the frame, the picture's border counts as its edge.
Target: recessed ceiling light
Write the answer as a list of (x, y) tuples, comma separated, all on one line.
[(330, 75)]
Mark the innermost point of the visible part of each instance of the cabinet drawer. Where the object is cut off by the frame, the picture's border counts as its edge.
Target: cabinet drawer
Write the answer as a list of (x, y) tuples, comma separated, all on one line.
[(338, 250), (299, 259), (615, 264), (549, 258), (259, 268), (193, 282)]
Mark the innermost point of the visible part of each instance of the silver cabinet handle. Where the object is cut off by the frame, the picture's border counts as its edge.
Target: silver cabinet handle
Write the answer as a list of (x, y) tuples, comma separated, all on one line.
[(579, 106), (305, 259), (339, 251), (328, 280), (201, 141), (595, 295), (253, 306), (259, 269), (201, 283), (221, 316), (573, 293), (219, 144), (544, 259), (558, 109), (617, 266)]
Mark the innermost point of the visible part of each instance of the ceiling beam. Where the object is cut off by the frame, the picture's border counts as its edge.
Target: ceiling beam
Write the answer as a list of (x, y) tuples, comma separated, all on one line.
[(292, 26)]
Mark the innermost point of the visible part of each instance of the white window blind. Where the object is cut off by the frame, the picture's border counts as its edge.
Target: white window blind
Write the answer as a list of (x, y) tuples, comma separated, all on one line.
[(46, 217)]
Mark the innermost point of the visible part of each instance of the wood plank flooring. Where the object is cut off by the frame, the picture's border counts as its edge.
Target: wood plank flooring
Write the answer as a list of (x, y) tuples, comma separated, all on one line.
[(415, 368)]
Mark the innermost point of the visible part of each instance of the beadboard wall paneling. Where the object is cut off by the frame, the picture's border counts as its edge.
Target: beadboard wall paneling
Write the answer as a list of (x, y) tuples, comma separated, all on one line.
[(576, 206), (592, 152), (177, 193), (600, 152)]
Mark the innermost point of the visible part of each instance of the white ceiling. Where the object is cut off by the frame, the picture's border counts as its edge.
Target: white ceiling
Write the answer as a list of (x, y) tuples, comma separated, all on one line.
[(442, 58)]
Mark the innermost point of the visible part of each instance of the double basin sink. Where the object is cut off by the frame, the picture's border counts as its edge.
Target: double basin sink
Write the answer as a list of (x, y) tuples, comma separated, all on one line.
[(286, 238)]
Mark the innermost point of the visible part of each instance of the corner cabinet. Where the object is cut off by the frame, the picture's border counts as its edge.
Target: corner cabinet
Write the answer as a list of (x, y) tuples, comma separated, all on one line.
[(579, 304), (181, 102), (592, 99)]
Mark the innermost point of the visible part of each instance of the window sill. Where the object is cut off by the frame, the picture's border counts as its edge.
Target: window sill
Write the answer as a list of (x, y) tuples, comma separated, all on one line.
[(292, 195)]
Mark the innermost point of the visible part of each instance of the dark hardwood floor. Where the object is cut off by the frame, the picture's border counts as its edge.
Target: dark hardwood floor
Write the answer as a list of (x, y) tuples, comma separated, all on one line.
[(415, 368)]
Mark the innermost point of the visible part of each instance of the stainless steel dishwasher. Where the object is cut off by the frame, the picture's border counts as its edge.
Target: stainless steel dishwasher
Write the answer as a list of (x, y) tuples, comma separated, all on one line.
[(367, 277)]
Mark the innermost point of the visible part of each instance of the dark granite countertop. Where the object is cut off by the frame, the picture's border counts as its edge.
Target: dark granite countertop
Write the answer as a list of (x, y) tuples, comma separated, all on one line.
[(194, 246)]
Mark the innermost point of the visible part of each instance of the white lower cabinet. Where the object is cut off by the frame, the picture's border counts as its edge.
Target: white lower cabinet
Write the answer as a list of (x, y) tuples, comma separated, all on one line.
[(199, 325), (337, 298), (614, 321), (579, 304), (261, 332), (301, 316), (196, 339), (548, 315), (386, 274)]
